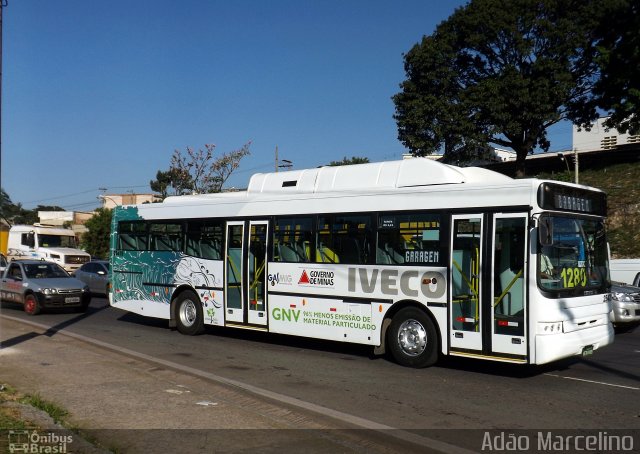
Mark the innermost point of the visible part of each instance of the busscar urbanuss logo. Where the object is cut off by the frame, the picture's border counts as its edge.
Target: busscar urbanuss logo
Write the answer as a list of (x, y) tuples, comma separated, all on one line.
[(33, 442), (545, 441)]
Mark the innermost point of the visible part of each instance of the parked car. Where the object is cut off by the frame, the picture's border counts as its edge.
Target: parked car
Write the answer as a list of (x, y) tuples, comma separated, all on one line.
[(38, 284), (625, 301), (96, 275)]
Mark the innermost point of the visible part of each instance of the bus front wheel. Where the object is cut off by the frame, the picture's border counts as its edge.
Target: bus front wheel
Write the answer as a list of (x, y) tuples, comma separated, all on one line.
[(413, 340), (189, 316)]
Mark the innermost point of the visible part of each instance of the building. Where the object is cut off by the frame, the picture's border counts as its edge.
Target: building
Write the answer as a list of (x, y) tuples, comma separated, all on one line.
[(112, 200), (600, 137)]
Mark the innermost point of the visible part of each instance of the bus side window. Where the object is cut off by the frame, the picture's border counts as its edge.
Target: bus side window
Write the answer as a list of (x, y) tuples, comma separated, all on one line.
[(291, 239), (344, 239), (132, 236)]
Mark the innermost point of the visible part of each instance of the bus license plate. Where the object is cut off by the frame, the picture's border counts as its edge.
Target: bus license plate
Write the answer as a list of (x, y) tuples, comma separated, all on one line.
[(72, 299), (588, 350)]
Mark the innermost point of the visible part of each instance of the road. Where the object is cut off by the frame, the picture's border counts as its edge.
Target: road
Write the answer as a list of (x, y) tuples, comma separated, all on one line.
[(599, 392)]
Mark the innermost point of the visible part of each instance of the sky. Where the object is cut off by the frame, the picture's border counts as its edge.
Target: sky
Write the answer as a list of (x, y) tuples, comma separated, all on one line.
[(97, 95)]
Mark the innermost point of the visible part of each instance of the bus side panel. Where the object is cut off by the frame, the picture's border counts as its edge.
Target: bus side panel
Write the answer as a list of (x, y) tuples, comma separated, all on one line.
[(321, 318), (347, 303), (144, 282)]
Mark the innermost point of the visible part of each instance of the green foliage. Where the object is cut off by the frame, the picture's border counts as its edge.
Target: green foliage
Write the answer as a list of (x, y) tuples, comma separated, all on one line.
[(13, 213), (56, 412), (96, 240), (618, 89), (198, 171), (497, 72), (348, 161)]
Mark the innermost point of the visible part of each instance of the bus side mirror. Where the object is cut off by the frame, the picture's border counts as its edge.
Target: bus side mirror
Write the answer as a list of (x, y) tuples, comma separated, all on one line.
[(545, 231)]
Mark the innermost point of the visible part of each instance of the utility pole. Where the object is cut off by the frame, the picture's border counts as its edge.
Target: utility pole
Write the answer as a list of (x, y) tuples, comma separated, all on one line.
[(575, 164), (286, 164)]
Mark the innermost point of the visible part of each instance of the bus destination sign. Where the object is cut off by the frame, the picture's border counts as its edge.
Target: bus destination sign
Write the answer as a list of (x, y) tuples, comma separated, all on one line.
[(563, 198)]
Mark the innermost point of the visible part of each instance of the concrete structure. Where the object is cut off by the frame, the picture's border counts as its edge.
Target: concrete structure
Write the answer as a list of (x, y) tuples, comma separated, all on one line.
[(112, 200), (600, 137)]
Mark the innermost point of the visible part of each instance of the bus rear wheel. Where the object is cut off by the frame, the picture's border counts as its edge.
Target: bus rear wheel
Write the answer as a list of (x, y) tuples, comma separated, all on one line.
[(413, 340), (189, 316)]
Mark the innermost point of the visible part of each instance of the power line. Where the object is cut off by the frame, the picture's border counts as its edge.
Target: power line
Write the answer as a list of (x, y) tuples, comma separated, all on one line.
[(62, 196)]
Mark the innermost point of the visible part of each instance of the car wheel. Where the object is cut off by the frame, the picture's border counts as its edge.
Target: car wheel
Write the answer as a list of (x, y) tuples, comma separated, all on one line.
[(189, 316), (31, 305), (413, 340)]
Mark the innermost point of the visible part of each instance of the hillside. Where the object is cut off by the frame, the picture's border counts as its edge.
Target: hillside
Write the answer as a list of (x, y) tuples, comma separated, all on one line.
[(621, 182)]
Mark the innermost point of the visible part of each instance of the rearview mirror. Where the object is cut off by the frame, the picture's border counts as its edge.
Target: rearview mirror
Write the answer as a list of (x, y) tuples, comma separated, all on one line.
[(545, 231)]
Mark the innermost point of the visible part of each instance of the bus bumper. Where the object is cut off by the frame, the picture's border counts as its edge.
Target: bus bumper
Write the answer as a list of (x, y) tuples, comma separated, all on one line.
[(563, 345)]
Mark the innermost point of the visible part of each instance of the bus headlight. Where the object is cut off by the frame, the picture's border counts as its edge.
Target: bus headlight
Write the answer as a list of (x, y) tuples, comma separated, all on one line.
[(49, 291), (550, 328)]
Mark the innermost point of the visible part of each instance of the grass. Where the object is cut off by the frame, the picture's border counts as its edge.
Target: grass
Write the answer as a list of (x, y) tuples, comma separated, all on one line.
[(10, 418), (56, 412)]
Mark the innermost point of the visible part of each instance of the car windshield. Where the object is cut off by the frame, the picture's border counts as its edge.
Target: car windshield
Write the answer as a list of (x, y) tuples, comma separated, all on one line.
[(44, 271), (56, 241), (574, 255)]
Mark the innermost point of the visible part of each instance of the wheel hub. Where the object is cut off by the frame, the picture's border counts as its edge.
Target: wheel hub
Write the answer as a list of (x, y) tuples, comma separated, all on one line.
[(188, 313), (412, 337)]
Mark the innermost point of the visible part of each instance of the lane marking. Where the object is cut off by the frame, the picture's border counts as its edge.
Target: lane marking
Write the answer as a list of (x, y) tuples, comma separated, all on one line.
[(595, 382), (431, 443)]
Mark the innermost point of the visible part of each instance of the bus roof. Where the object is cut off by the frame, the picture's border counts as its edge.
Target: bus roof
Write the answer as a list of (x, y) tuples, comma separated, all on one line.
[(378, 175), (370, 177)]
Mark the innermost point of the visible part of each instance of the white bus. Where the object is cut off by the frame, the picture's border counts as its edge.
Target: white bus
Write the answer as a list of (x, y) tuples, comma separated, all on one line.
[(412, 257)]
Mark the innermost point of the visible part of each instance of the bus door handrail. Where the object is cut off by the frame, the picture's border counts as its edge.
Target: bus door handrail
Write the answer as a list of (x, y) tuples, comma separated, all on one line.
[(506, 290)]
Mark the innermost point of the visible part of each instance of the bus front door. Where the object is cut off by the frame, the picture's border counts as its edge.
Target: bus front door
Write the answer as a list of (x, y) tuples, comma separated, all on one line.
[(487, 287), (245, 273), (465, 323), (508, 296)]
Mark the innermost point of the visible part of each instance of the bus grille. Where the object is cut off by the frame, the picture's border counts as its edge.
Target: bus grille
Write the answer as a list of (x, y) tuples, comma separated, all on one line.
[(76, 259)]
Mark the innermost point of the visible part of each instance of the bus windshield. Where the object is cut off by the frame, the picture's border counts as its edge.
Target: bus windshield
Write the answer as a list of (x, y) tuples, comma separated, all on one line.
[(56, 241), (572, 254)]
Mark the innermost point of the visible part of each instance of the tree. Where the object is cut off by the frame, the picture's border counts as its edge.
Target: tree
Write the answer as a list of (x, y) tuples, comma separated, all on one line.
[(617, 91), (197, 171), (498, 72), (96, 239), (348, 161)]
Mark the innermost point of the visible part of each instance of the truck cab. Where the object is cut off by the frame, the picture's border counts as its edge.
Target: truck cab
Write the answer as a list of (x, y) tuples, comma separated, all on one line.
[(43, 242)]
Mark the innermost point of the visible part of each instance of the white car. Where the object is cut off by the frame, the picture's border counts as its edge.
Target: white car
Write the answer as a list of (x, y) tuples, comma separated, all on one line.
[(625, 301)]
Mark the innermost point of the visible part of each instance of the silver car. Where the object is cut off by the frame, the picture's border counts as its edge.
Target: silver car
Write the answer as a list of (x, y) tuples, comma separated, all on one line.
[(625, 302), (96, 275), (38, 284)]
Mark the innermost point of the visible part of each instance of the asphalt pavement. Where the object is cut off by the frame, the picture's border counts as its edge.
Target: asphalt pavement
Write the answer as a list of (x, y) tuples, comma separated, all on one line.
[(125, 404)]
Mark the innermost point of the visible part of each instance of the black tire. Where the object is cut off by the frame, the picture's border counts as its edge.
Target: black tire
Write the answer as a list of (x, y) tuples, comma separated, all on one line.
[(412, 338), (31, 304), (189, 316), (84, 305)]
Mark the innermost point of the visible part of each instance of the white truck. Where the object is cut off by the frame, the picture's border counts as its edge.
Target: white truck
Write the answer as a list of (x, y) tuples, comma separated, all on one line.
[(626, 271), (43, 242)]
